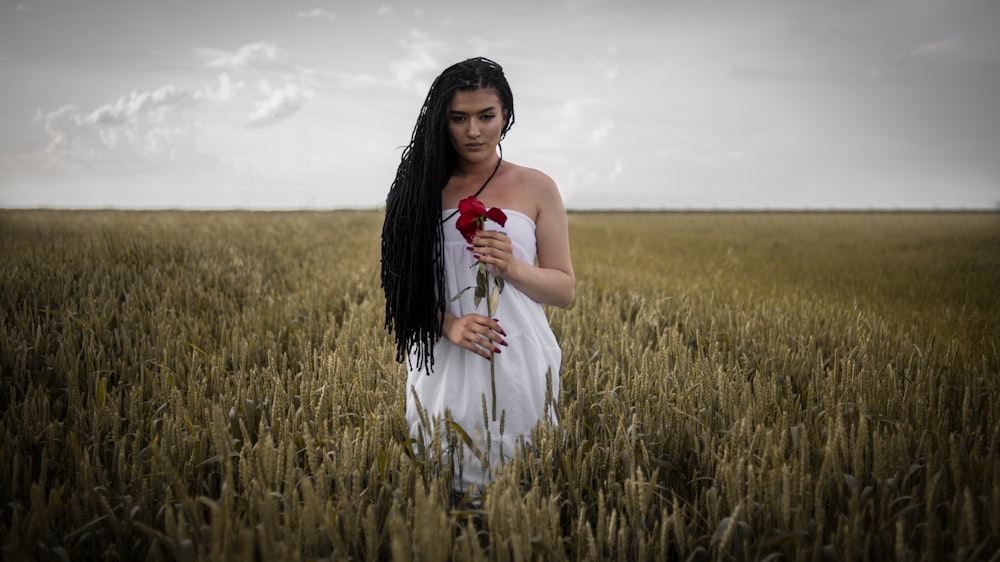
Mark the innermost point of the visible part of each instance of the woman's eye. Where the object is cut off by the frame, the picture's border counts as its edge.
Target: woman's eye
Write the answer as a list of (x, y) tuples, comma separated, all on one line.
[(488, 117)]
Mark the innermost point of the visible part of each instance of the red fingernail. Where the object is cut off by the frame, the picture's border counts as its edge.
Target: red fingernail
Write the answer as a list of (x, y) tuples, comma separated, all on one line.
[(496, 350), (503, 343)]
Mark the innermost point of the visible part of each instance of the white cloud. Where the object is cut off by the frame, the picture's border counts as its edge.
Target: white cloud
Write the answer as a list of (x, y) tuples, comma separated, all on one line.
[(226, 89), (938, 48), (316, 14), (142, 126), (571, 123), (279, 104), (260, 61), (600, 134), (253, 55), (68, 135), (384, 10), (149, 104), (78, 139), (147, 129), (421, 61)]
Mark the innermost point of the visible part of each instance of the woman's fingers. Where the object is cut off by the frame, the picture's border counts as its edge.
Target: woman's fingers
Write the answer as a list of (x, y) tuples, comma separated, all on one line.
[(493, 248), (490, 334), (474, 332), (491, 241), (484, 335)]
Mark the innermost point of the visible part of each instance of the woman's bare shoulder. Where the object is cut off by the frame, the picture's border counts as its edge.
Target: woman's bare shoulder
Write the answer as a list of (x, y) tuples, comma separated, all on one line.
[(534, 181), (533, 192)]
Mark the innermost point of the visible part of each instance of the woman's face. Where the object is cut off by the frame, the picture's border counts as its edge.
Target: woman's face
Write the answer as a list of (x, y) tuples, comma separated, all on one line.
[(475, 120)]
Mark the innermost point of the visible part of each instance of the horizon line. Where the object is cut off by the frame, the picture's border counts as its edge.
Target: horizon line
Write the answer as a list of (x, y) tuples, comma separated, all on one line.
[(763, 209)]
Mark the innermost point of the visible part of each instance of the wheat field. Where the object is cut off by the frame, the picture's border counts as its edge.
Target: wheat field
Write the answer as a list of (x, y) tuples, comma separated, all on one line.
[(735, 386)]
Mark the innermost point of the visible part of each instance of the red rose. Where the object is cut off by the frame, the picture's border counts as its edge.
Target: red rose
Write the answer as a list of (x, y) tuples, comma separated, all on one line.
[(472, 214)]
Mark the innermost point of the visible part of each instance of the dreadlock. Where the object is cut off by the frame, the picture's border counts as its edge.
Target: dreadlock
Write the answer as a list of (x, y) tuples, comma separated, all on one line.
[(412, 238)]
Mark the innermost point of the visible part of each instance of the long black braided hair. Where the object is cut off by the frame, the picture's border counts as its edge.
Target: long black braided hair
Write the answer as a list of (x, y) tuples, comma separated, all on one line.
[(412, 263)]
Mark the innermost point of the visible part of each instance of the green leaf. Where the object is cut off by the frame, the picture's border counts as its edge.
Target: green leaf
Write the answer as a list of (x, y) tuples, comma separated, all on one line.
[(465, 437), (459, 295), (500, 283)]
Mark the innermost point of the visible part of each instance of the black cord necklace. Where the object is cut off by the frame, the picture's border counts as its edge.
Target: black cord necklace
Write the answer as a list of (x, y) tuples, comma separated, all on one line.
[(497, 167)]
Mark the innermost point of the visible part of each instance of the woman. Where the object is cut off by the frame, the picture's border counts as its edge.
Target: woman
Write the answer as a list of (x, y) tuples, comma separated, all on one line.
[(426, 262)]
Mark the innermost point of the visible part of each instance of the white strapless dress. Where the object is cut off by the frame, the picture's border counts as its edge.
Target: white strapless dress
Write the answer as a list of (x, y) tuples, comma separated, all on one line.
[(460, 379)]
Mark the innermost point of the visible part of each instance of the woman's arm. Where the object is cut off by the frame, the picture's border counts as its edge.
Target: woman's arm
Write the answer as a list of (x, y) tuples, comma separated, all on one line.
[(552, 282)]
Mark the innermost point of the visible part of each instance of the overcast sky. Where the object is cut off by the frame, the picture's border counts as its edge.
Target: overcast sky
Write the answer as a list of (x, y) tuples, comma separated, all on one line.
[(626, 104)]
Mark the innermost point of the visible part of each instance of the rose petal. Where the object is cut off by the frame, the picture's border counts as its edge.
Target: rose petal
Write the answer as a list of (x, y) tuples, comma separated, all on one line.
[(468, 226), (471, 206), (469, 234), (464, 221), (497, 215)]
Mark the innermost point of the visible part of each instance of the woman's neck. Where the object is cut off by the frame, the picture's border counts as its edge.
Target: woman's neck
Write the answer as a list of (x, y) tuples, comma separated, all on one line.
[(483, 168)]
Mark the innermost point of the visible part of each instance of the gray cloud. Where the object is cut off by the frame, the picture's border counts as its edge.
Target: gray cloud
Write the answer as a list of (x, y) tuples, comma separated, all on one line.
[(278, 105), (138, 104), (253, 55), (700, 103), (316, 14)]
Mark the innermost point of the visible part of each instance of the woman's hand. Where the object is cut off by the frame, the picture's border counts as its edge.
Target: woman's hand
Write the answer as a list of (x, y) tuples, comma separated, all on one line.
[(494, 248), (475, 332)]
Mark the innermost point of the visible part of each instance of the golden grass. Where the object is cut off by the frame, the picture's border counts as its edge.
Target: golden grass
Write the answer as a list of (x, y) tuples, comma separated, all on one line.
[(745, 386)]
